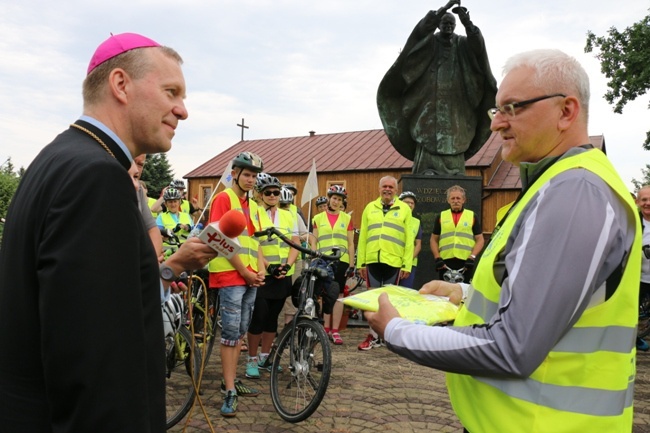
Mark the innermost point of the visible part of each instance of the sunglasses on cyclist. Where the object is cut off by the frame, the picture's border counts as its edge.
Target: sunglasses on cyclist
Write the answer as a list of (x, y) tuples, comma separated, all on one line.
[(270, 193)]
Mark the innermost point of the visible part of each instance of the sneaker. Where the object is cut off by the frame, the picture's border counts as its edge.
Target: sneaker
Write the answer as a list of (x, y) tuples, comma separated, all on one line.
[(262, 363), (336, 338), (369, 343), (252, 370), (242, 390), (229, 407), (641, 344)]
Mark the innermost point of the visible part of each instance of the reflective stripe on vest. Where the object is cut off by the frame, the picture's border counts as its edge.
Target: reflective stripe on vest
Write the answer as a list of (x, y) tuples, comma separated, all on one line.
[(330, 237), (586, 381), (249, 244), (276, 251), (386, 236), (456, 240)]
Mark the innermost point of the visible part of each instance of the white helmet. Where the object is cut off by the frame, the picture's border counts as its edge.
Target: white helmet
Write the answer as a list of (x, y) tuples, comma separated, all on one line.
[(172, 313), (286, 196)]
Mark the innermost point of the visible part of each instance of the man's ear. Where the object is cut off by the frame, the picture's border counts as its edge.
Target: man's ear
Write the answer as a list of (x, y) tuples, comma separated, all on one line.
[(118, 81), (570, 112)]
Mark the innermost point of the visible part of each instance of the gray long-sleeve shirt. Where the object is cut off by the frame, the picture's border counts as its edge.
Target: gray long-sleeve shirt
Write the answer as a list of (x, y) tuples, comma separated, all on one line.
[(568, 240)]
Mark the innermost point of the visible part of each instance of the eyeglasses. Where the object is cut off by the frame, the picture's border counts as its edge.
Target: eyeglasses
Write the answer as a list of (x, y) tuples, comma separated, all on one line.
[(270, 193), (508, 110)]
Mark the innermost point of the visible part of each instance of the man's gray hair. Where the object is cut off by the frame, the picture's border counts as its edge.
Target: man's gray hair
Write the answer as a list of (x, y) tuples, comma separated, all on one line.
[(555, 72), (387, 177)]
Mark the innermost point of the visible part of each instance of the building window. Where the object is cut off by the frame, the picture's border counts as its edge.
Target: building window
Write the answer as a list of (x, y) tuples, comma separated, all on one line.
[(204, 197)]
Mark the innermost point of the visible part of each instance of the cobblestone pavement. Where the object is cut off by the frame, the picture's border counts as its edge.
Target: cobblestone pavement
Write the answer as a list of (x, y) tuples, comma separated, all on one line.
[(373, 391)]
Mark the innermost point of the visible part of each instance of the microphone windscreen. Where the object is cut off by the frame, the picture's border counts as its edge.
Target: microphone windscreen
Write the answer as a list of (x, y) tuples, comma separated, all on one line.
[(232, 223)]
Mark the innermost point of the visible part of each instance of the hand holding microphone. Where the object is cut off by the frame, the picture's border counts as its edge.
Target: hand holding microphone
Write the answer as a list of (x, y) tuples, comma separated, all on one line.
[(222, 235)]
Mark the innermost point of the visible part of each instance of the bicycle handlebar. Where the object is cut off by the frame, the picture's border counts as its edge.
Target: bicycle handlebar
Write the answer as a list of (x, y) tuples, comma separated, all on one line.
[(270, 231)]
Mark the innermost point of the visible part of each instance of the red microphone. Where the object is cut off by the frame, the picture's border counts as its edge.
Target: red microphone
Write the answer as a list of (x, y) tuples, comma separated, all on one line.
[(222, 235)]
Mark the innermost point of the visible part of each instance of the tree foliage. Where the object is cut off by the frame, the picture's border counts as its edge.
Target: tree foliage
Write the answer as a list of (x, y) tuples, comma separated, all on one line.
[(645, 172), (625, 60), (9, 180), (157, 173)]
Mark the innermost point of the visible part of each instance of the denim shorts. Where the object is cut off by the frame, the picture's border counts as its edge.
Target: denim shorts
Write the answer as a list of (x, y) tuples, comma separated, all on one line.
[(236, 305)]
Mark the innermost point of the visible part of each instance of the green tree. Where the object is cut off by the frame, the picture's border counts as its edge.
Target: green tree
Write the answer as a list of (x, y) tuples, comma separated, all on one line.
[(645, 172), (8, 185), (625, 60), (157, 173)]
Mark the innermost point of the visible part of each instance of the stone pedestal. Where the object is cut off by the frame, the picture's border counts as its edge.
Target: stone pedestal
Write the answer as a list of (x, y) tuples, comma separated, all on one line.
[(431, 191)]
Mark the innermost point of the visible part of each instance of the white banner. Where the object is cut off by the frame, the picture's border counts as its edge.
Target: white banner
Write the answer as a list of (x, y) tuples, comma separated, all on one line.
[(311, 186)]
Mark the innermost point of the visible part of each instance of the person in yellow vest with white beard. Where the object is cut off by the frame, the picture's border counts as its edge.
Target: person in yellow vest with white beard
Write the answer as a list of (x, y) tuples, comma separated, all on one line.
[(545, 340), (333, 229), (457, 237)]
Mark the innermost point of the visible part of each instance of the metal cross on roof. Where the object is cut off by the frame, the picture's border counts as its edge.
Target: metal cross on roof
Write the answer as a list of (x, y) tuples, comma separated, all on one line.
[(242, 126)]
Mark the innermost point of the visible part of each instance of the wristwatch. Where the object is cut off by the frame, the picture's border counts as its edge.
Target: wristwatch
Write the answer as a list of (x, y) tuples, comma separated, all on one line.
[(167, 273)]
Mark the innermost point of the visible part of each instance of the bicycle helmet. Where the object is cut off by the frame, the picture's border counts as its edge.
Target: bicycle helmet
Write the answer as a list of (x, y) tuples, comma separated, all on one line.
[(410, 194), (265, 180), (177, 183), (286, 196), (172, 313), (321, 200), (248, 160), (291, 188), (171, 194), (338, 190)]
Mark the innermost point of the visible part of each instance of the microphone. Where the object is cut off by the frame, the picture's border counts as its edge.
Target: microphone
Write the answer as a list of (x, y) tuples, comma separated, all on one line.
[(222, 235)]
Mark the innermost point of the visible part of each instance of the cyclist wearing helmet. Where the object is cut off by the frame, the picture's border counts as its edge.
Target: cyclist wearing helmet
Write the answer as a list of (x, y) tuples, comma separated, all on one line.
[(279, 261), (333, 228), (410, 199), (457, 236), (179, 222), (185, 206), (321, 204), (238, 278)]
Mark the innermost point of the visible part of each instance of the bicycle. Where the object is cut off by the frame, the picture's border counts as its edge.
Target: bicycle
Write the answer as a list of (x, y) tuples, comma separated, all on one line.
[(301, 359), (182, 359)]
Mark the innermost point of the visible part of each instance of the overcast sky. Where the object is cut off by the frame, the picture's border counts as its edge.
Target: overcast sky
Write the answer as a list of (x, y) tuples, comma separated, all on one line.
[(286, 66)]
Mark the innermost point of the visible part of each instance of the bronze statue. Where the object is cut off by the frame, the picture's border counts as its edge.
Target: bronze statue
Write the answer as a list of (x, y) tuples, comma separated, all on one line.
[(433, 101)]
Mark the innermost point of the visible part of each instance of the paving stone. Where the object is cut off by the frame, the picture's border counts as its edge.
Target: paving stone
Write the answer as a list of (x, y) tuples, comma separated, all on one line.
[(369, 392)]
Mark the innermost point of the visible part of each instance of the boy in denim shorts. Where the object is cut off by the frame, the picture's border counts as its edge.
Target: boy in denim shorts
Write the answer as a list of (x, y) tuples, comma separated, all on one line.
[(237, 278)]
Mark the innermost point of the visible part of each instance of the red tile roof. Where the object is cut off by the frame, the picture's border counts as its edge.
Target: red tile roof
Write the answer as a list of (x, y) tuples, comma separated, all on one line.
[(352, 151), (339, 152)]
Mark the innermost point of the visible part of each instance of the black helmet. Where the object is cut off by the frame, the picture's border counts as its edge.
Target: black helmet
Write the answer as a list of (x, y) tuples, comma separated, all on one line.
[(410, 194), (265, 180), (321, 200), (248, 160)]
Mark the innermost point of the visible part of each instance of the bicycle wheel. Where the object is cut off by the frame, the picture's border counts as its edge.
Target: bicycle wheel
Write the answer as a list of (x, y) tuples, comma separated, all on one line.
[(298, 385), (644, 316), (197, 297), (182, 372)]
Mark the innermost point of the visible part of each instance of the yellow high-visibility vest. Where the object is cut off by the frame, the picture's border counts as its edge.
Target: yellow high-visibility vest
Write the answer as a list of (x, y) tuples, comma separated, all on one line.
[(585, 384)]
